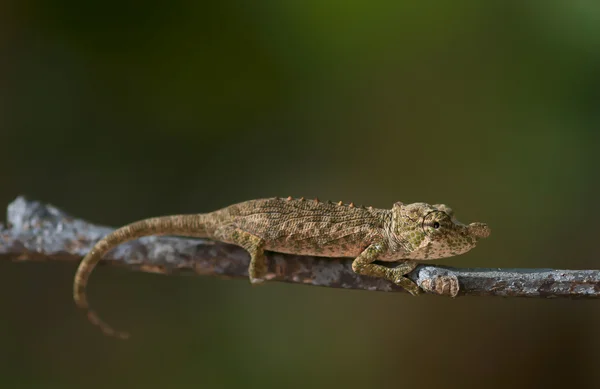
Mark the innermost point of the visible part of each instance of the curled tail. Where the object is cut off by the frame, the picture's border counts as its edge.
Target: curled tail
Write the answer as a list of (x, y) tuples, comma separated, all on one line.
[(184, 225)]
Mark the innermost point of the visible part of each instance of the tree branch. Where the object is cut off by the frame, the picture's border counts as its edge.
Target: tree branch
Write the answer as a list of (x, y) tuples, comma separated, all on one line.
[(37, 231)]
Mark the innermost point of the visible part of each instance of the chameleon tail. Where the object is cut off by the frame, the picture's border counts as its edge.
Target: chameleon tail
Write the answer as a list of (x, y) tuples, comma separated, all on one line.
[(185, 225)]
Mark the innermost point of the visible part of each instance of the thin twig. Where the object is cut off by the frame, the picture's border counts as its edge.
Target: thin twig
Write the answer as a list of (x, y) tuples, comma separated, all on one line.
[(37, 231)]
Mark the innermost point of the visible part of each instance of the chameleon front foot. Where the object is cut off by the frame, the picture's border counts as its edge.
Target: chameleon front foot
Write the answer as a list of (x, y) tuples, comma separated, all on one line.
[(363, 264), (397, 276), (408, 284)]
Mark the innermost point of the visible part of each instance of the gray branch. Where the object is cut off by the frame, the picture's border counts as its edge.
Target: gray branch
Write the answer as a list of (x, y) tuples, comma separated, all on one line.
[(37, 231)]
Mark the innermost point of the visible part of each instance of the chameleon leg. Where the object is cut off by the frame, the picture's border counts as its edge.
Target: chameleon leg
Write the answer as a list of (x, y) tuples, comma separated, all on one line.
[(363, 264), (255, 247)]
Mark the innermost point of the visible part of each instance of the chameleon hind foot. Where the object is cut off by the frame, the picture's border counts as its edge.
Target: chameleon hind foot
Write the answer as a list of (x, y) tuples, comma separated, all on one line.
[(254, 245), (257, 269)]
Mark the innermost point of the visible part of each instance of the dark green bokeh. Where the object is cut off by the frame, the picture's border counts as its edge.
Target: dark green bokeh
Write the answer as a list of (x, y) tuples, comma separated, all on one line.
[(117, 111)]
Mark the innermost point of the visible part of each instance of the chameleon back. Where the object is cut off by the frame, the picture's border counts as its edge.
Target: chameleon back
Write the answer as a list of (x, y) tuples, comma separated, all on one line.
[(307, 227)]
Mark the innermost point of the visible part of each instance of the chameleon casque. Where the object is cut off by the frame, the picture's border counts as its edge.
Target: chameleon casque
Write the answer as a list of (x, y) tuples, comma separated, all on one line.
[(406, 233)]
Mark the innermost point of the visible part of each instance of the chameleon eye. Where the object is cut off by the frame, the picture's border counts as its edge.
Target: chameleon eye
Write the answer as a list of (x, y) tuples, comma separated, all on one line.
[(436, 225)]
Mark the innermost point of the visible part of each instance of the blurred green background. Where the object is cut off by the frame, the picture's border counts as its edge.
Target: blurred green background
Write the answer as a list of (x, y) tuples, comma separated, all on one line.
[(116, 111)]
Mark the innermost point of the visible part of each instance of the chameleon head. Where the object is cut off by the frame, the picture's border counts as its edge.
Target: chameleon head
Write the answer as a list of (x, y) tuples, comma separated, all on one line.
[(431, 231)]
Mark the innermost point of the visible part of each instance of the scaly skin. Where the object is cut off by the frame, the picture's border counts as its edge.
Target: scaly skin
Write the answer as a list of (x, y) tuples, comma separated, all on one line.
[(405, 233)]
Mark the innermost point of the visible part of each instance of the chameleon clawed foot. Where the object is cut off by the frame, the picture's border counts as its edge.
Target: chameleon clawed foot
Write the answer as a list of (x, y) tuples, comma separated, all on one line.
[(398, 277), (257, 281), (257, 270), (409, 285)]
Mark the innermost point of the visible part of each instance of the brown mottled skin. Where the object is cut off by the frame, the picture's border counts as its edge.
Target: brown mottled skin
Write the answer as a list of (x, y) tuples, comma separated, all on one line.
[(409, 232)]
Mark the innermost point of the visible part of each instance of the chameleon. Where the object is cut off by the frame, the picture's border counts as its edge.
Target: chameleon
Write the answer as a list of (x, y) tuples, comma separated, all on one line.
[(406, 233)]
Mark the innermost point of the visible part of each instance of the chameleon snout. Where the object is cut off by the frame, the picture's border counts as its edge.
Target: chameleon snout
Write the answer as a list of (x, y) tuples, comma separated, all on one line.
[(479, 230)]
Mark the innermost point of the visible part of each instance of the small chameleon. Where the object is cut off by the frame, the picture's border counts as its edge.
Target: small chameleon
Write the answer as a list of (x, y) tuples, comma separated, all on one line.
[(405, 233)]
